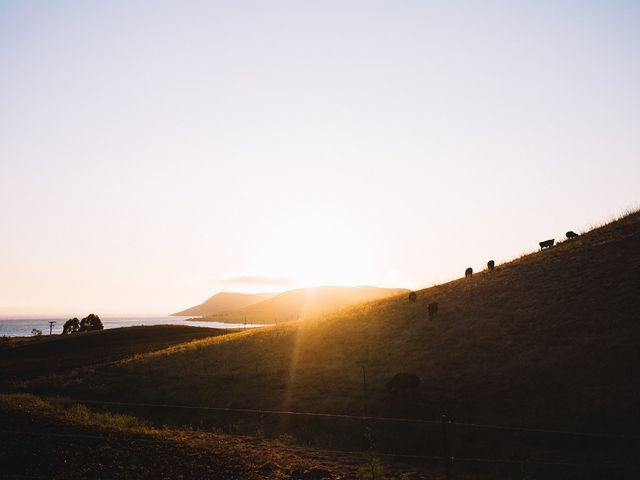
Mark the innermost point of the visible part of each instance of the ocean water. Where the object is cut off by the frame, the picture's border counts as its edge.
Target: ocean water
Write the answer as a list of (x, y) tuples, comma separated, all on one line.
[(22, 327)]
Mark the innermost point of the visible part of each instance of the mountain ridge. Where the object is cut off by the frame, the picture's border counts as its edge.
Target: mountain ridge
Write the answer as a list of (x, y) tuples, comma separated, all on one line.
[(223, 301), (302, 303)]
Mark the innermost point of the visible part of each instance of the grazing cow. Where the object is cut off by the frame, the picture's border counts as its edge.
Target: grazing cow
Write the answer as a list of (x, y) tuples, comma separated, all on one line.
[(491, 264), (571, 234), (433, 310), (547, 243), (413, 296), (468, 272), (404, 382)]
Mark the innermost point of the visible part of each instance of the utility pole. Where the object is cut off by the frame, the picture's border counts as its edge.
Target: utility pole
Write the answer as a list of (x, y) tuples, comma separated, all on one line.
[(51, 324)]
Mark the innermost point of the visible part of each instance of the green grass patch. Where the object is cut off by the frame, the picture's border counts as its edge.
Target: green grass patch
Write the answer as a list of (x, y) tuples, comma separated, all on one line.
[(71, 411)]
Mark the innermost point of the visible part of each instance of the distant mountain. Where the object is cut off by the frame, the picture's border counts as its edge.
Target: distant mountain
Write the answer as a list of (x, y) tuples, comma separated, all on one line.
[(224, 301), (302, 303)]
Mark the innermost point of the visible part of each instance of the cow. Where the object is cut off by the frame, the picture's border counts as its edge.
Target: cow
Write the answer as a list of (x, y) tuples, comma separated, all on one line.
[(404, 382), (571, 234), (413, 296), (547, 243), (433, 310), (491, 265), (468, 272)]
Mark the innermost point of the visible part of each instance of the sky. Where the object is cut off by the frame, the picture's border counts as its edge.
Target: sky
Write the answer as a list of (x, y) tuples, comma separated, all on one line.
[(154, 153)]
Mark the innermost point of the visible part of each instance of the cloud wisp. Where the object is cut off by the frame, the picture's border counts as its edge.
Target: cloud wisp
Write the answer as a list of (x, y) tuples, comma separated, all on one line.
[(253, 280)]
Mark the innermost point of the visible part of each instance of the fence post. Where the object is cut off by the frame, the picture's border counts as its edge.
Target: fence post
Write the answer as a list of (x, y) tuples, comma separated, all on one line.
[(445, 444), (364, 392)]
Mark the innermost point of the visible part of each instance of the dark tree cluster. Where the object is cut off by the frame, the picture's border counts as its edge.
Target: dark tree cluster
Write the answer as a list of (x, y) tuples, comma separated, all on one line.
[(91, 322)]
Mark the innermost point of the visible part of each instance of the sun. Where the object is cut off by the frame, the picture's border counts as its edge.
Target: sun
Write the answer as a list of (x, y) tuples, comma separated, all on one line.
[(314, 248)]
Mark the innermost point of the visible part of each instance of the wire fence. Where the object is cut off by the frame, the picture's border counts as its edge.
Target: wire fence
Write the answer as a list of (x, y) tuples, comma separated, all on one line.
[(446, 457), (603, 435)]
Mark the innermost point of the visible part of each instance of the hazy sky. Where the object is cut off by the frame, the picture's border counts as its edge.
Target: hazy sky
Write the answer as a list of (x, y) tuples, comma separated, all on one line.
[(153, 153)]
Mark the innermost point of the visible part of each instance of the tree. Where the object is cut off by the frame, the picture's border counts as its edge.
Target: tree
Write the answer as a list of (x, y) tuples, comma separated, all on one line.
[(71, 326), (91, 322), (88, 323)]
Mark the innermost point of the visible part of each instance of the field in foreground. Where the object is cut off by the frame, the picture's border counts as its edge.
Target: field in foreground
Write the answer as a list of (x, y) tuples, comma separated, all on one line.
[(547, 341), (60, 438)]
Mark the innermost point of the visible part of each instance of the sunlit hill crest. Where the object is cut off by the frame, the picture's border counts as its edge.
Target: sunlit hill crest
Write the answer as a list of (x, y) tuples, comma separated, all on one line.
[(290, 305)]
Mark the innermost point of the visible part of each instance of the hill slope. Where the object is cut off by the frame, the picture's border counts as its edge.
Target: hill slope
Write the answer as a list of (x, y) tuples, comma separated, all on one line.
[(304, 303), (549, 339), (47, 354), (223, 301)]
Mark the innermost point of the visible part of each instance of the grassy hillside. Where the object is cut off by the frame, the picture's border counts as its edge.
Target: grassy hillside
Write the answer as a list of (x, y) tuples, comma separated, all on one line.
[(223, 301), (304, 303), (59, 353), (550, 338)]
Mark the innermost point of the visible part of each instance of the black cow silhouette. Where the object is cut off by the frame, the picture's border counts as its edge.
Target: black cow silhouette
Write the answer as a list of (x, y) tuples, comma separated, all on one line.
[(468, 272), (433, 310), (491, 264), (413, 296), (547, 243), (404, 382), (571, 234)]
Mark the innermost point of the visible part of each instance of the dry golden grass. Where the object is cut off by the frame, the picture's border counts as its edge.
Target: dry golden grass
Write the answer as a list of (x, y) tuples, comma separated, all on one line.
[(71, 411)]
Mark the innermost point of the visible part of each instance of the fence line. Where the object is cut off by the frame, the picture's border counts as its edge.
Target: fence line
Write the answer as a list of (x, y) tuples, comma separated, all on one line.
[(612, 436), (444, 422), (265, 412)]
